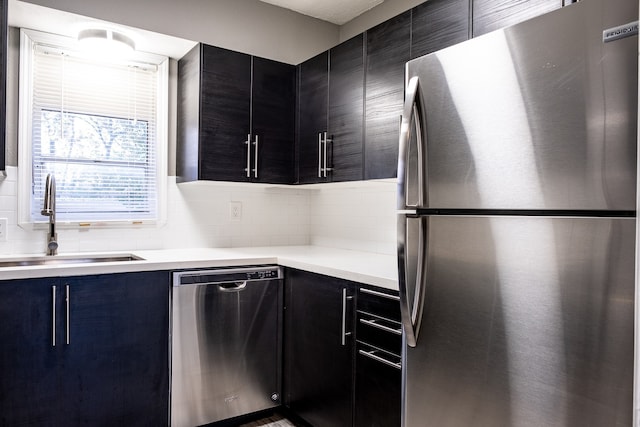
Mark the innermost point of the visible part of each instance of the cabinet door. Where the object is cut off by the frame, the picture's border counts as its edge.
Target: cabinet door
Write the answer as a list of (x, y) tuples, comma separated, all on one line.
[(438, 24), (116, 365), (29, 358), (313, 94), (225, 114), (318, 367), (273, 120), (489, 15), (346, 109), (388, 48), (378, 392), (4, 6)]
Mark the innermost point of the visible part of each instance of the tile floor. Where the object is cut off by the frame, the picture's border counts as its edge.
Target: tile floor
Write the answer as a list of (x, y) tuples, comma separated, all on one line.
[(272, 421)]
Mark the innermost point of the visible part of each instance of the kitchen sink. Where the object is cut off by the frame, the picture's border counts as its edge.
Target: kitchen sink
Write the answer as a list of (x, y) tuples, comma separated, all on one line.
[(61, 260)]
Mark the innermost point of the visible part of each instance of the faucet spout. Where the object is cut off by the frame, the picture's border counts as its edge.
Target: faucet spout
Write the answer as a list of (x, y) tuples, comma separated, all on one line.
[(49, 209)]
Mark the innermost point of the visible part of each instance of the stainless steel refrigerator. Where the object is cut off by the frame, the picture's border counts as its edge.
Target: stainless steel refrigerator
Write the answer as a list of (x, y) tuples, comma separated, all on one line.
[(516, 224)]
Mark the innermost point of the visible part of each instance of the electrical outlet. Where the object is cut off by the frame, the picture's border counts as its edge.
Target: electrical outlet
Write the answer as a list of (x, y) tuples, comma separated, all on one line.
[(235, 211), (3, 229)]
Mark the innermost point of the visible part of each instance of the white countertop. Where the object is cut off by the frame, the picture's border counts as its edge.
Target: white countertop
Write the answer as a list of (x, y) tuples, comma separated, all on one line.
[(363, 267)]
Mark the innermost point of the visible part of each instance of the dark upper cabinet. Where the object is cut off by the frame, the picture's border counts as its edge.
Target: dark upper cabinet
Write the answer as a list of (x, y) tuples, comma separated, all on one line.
[(216, 140), (273, 121), (489, 15), (313, 100), (85, 350), (437, 24), (388, 49), (346, 109), (4, 5), (331, 117), (318, 354)]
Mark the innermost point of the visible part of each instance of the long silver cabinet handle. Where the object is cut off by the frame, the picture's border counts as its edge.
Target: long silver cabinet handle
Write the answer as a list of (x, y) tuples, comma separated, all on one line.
[(379, 294), (343, 330), (372, 355), (319, 154), (68, 314), (326, 142), (248, 168), (382, 327), (53, 316), (255, 157)]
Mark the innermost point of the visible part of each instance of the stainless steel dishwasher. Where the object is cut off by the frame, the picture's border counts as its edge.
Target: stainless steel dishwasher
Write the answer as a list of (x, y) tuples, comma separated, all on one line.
[(225, 343)]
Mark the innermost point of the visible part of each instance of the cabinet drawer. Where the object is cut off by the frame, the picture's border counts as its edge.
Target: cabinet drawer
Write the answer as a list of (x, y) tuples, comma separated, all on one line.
[(379, 332), (379, 303)]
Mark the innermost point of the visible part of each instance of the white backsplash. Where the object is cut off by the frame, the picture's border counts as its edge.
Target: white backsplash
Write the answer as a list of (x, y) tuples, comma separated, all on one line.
[(198, 215)]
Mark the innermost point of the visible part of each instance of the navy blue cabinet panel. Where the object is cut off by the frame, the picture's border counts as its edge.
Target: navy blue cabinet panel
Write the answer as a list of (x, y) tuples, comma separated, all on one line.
[(489, 15), (273, 120), (313, 99), (346, 109), (116, 364), (318, 368), (30, 363), (437, 24), (85, 351), (388, 49)]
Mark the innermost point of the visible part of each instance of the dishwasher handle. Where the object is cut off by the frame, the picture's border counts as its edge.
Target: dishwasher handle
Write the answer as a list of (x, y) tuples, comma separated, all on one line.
[(232, 287)]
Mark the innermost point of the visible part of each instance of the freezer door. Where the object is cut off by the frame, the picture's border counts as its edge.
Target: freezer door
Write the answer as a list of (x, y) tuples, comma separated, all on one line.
[(528, 321), (541, 115)]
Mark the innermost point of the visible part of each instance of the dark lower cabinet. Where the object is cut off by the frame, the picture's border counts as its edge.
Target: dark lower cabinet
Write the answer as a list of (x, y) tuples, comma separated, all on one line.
[(378, 381), (343, 343), (85, 351), (318, 356), (378, 392)]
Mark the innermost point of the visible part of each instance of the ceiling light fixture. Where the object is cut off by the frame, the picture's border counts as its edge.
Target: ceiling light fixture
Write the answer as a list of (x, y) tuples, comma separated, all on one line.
[(106, 40)]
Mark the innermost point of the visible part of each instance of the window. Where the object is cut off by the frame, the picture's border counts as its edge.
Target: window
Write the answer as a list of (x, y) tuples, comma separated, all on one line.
[(98, 125)]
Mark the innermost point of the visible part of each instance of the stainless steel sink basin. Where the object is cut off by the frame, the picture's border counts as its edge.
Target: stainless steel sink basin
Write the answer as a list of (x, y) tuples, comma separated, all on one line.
[(58, 260)]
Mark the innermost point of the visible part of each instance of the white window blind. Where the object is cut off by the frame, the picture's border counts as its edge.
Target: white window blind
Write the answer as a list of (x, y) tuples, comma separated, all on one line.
[(94, 126)]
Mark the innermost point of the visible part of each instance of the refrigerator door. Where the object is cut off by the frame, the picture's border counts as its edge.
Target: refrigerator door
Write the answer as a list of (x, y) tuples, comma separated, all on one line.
[(541, 115), (528, 321)]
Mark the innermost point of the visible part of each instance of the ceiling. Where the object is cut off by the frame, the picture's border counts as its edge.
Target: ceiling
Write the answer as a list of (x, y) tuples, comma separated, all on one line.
[(336, 11), (28, 15)]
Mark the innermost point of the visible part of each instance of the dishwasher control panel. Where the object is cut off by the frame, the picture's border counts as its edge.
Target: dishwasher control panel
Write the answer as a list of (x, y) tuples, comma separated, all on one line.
[(227, 275)]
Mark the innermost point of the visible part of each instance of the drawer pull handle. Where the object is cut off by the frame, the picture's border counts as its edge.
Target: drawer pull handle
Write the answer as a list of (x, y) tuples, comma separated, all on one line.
[(380, 294), (379, 326), (372, 355)]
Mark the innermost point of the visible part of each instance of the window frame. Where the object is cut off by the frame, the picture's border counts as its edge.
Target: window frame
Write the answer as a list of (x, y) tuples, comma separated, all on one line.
[(28, 40)]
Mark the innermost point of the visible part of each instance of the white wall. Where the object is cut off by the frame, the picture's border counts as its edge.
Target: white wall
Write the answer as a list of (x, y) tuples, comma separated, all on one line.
[(377, 15), (197, 216), (248, 26), (351, 216), (358, 216)]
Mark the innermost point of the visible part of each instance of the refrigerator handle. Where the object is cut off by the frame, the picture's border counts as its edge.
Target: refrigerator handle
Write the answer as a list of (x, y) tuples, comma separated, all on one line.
[(411, 272), (412, 112)]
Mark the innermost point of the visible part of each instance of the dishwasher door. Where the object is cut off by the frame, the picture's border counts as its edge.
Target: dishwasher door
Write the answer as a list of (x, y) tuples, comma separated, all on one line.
[(225, 343)]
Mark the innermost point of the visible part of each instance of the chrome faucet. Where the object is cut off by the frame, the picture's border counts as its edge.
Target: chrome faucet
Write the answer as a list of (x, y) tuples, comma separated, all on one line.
[(49, 209)]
